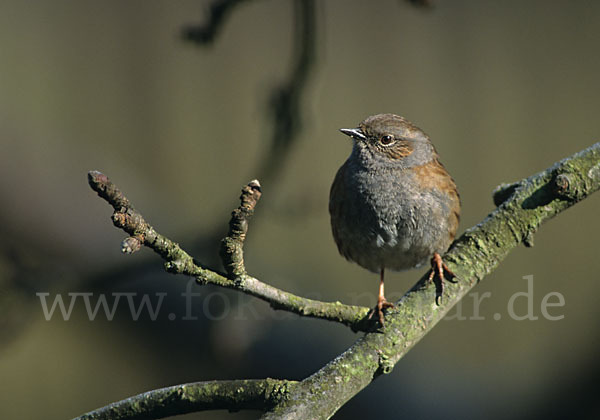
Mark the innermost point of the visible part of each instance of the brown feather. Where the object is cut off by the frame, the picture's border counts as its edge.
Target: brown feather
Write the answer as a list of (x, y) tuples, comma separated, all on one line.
[(433, 175)]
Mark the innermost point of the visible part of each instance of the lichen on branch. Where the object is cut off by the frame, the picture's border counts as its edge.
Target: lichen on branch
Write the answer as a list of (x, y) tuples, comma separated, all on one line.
[(247, 394)]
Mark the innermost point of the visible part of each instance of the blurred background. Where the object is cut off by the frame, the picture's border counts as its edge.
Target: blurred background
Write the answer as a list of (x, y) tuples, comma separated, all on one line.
[(181, 104)]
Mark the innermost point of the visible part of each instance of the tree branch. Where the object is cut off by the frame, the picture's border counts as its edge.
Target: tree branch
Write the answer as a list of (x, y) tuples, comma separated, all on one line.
[(522, 207), (180, 262), (475, 254), (249, 394)]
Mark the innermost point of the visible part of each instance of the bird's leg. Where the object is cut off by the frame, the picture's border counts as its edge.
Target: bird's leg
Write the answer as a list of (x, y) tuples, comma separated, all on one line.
[(382, 303), (438, 267)]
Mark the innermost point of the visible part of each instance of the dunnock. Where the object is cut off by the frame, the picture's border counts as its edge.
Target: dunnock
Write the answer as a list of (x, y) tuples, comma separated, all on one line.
[(393, 205)]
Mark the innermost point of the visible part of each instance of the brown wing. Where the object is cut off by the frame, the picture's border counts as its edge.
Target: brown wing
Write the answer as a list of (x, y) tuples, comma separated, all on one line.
[(433, 175)]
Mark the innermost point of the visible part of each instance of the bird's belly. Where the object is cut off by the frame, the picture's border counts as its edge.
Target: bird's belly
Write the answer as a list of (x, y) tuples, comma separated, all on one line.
[(396, 228), (377, 250)]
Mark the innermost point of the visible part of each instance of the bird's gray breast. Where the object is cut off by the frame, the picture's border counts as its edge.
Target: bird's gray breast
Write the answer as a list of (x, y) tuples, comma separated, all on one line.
[(388, 220)]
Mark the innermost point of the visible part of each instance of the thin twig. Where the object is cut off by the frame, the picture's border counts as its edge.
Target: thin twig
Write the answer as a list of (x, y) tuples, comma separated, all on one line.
[(232, 246), (180, 262)]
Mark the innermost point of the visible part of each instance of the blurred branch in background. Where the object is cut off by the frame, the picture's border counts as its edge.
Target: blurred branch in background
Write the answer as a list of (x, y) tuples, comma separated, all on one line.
[(218, 12), (285, 108), (421, 3), (286, 99), (523, 207)]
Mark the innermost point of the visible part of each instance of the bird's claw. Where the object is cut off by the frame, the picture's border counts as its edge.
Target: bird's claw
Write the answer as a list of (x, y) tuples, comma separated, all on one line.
[(382, 304), (438, 267)]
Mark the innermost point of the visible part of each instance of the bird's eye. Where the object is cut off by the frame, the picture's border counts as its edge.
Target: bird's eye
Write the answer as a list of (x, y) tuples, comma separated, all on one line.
[(386, 140)]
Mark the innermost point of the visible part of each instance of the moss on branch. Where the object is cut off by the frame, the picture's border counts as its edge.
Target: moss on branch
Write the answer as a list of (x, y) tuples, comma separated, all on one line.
[(252, 394)]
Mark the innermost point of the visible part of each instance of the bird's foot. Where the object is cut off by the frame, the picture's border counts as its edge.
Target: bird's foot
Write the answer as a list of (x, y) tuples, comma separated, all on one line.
[(438, 267), (382, 304)]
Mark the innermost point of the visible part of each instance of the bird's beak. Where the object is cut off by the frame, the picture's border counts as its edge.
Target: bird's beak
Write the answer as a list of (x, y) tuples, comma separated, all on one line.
[(355, 133)]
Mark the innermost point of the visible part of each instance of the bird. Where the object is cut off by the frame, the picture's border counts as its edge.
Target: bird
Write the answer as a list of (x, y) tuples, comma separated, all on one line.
[(392, 204)]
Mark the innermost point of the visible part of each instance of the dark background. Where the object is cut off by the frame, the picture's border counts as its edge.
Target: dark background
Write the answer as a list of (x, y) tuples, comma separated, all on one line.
[(504, 89)]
